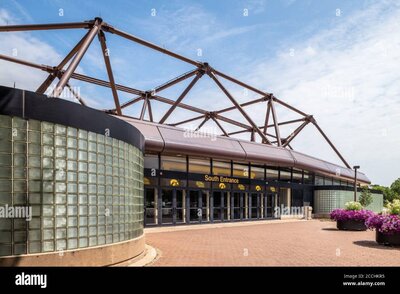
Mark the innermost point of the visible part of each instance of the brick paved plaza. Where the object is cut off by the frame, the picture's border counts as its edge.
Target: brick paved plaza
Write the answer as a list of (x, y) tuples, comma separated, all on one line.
[(299, 243)]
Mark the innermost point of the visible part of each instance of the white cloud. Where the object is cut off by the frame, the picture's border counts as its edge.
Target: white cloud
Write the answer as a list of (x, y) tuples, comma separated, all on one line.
[(348, 78)]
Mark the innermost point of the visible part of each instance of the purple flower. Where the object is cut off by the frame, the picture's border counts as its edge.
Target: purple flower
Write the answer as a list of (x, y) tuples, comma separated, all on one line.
[(343, 214), (386, 224)]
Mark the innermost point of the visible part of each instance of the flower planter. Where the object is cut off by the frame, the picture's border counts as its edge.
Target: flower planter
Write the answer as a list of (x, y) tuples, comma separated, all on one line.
[(351, 225), (393, 239)]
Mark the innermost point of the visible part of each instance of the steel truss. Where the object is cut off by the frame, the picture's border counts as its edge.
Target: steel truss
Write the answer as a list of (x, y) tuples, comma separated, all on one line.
[(97, 27)]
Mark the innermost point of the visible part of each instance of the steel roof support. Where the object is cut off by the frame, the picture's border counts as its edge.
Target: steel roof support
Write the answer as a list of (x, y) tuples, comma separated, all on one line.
[(277, 131), (202, 123), (180, 98), (331, 144), (143, 112), (150, 110), (294, 134), (187, 120), (106, 55), (241, 110), (76, 95), (175, 80), (219, 126), (50, 26), (78, 57), (181, 105), (132, 101)]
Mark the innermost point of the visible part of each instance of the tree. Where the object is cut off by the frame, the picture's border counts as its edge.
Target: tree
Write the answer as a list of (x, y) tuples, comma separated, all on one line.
[(365, 197), (395, 186), (388, 194)]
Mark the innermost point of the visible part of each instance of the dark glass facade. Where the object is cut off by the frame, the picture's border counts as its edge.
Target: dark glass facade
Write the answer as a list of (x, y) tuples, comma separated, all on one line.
[(190, 190)]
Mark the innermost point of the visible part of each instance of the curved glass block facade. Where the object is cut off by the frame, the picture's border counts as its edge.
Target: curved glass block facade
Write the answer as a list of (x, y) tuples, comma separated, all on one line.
[(85, 189)]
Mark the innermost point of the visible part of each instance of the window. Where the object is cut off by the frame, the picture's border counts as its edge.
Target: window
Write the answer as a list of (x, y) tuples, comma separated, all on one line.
[(151, 161), (257, 172), (173, 163), (240, 170), (328, 181), (319, 181), (272, 174), (336, 182), (297, 175), (285, 174), (308, 177), (221, 168), (199, 165)]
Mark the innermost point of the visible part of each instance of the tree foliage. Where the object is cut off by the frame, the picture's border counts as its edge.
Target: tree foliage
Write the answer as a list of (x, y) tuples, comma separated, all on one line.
[(365, 197)]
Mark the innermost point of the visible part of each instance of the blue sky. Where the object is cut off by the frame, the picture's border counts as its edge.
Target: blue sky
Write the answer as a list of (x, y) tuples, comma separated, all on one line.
[(337, 60)]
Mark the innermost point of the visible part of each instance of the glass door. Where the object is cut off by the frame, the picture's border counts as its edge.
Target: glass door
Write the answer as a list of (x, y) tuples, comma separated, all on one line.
[(150, 206), (238, 206), (195, 210), (166, 215), (254, 205), (179, 206), (270, 201), (220, 206)]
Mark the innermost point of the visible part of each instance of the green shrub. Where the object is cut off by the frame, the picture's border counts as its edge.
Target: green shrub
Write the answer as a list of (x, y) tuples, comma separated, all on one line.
[(353, 205)]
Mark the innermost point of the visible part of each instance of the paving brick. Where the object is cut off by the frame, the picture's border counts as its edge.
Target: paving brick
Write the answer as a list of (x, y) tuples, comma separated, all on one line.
[(303, 243)]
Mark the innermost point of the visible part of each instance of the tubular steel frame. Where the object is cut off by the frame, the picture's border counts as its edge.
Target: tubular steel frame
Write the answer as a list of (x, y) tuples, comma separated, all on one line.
[(98, 27)]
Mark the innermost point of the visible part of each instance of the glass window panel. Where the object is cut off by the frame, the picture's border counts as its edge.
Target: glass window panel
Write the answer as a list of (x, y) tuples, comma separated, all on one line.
[(173, 163), (5, 160), (83, 221), (72, 165), (48, 246), (61, 222), (83, 242), (72, 232), (272, 174), (48, 222), (60, 141), (297, 176), (221, 168), (319, 181), (48, 210), (240, 170), (48, 139), (72, 221), (48, 234), (199, 165), (285, 174), (34, 247), (5, 145), (60, 130), (72, 132), (72, 243), (61, 245), (34, 235), (328, 181)]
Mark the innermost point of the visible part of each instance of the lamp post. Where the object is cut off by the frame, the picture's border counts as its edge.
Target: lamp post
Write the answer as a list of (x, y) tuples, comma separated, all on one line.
[(356, 167)]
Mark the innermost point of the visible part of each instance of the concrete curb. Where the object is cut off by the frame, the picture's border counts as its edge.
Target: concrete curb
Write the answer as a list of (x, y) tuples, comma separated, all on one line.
[(150, 256), (217, 225)]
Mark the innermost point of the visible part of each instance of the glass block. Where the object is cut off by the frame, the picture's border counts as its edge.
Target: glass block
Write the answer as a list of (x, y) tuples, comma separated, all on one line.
[(47, 139), (5, 186), (5, 145), (83, 166), (92, 178), (101, 240), (92, 199), (47, 127), (61, 175), (5, 198), (72, 143), (19, 224), (48, 222), (101, 200), (61, 152), (115, 237), (33, 161), (48, 234), (61, 210), (101, 230), (18, 135), (83, 231), (61, 222), (92, 136), (19, 147), (83, 134), (35, 198), (48, 198), (20, 186), (48, 187), (92, 220), (34, 125), (34, 235), (72, 176), (92, 210), (61, 199), (92, 231), (60, 130), (83, 177), (61, 233), (61, 244), (72, 232), (19, 160), (60, 141), (72, 154), (83, 155), (34, 247), (34, 223), (72, 221), (5, 121), (101, 159), (101, 179), (83, 145), (20, 249), (48, 151), (72, 199), (72, 132), (48, 162), (36, 210), (101, 190), (35, 138), (61, 164), (92, 189), (72, 243), (92, 241), (92, 157), (48, 210), (83, 188), (83, 221), (48, 246), (109, 239), (48, 174), (61, 187), (72, 210), (83, 210), (83, 242), (34, 174)]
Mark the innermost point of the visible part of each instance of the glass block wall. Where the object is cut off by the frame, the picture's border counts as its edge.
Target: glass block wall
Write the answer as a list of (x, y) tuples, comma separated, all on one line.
[(327, 200), (85, 189)]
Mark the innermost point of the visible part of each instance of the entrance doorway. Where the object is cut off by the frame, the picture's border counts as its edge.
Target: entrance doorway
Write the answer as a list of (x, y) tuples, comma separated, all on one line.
[(220, 206), (172, 206), (198, 202), (270, 201), (255, 205), (238, 207)]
